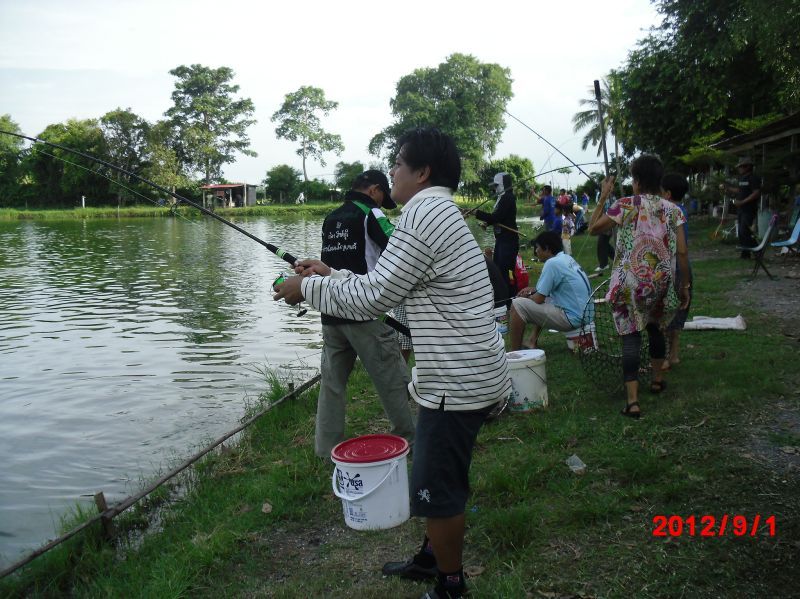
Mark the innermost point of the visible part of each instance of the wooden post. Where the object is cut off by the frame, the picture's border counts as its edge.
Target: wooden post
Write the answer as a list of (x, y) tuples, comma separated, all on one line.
[(108, 524)]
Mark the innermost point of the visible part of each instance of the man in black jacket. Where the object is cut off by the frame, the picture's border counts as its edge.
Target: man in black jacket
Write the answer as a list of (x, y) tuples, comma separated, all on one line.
[(748, 193), (353, 236), (504, 218)]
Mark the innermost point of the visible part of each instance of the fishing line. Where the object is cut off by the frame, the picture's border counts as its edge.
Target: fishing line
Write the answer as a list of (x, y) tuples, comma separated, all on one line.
[(547, 142), (279, 252)]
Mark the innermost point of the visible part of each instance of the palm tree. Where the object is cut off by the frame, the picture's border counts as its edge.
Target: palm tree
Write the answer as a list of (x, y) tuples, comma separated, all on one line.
[(611, 99)]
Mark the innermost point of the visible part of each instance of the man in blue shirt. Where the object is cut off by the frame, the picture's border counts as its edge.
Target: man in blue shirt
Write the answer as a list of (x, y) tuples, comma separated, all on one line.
[(548, 203), (564, 283)]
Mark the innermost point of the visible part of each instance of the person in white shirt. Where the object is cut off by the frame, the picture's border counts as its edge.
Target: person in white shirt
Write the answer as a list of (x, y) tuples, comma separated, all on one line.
[(434, 265)]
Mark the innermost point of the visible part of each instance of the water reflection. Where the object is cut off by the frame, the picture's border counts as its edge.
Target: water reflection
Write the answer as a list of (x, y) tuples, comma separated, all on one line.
[(123, 343)]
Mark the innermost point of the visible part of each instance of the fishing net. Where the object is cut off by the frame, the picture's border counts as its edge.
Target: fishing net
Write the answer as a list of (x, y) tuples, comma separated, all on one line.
[(600, 346)]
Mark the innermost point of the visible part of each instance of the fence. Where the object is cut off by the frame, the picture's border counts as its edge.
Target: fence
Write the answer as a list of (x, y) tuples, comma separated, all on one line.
[(107, 514)]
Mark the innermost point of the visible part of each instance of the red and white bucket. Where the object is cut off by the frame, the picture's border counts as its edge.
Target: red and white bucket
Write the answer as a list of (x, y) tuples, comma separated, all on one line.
[(371, 479)]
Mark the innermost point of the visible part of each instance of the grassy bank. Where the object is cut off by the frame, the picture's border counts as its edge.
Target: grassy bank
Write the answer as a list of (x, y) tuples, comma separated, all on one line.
[(259, 519), (149, 211)]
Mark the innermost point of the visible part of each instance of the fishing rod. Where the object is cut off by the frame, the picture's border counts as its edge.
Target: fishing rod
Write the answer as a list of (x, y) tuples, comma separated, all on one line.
[(560, 167), (279, 252), (602, 123), (471, 210), (283, 254), (548, 143)]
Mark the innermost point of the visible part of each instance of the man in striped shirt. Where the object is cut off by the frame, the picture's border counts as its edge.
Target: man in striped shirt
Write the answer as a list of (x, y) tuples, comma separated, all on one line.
[(433, 264)]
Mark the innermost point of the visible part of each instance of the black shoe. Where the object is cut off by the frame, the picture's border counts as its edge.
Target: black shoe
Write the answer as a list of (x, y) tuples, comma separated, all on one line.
[(409, 569)]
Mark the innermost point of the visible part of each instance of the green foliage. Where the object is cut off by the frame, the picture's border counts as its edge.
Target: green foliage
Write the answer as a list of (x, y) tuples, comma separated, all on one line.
[(319, 190), (164, 167), (126, 137), (613, 114), (211, 124), (298, 122), (521, 171), (701, 154), (11, 150), (282, 184), (64, 179), (463, 97), (346, 173), (709, 62), (748, 125)]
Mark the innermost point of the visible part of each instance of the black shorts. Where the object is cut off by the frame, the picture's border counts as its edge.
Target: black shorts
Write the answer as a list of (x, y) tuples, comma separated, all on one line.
[(443, 445)]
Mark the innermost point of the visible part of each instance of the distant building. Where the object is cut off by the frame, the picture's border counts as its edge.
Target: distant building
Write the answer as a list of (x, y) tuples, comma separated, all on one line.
[(229, 195)]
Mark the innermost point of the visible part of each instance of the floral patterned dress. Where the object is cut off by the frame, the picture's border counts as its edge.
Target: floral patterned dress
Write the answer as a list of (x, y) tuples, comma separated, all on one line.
[(641, 290)]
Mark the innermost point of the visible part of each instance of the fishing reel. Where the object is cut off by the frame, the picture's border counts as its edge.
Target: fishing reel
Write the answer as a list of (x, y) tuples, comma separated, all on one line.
[(301, 311)]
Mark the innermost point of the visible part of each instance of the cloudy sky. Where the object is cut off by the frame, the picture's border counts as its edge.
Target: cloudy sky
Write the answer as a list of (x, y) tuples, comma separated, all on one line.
[(82, 58)]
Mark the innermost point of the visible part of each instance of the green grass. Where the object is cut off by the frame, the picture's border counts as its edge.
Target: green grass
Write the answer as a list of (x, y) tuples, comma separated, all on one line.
[(706, 446), (315, 208)]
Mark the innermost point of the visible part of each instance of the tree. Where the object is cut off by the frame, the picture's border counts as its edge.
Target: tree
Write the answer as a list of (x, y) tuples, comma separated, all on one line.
[(613, 119), (11, 149), (710, 61), (282, 183), (463, 97), (57, 182), (125, 136), (210, 122), (346, 173), (164, 167), (298, 121), (521, 171)]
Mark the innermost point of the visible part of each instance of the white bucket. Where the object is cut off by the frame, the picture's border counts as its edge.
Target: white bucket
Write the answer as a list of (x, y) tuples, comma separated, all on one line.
[(581, 339), (371, 479), (528, 380)]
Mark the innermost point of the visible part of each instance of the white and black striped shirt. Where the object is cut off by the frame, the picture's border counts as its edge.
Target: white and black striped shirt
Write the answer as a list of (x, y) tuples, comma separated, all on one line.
[(434, 265)]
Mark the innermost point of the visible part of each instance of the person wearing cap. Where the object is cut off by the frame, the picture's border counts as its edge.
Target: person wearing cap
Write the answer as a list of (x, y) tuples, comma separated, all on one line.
[(504, 218), (747, 192), (353, 237)]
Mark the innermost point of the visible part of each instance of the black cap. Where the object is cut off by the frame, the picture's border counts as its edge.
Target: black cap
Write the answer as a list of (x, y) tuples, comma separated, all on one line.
[(373, 177)]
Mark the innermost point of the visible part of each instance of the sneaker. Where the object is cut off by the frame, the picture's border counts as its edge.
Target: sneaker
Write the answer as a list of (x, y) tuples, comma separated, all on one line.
[(600, 269), (410, 570)]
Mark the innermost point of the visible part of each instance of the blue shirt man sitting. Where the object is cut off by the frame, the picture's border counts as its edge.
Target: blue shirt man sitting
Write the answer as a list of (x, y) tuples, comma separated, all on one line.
[(564, 283)]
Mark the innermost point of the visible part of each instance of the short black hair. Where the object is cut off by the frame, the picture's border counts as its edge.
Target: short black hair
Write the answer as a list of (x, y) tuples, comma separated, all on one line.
[(676, 184), (549, 240), (427, 146), (648, 171), (547, 189)]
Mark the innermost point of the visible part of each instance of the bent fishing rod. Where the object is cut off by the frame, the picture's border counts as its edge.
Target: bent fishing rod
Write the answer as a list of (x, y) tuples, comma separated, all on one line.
[(548, 143), (279, 252)]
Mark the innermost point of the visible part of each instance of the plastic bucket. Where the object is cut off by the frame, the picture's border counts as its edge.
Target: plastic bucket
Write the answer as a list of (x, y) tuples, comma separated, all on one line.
[(371, 479), (582, 339), (528, 380)]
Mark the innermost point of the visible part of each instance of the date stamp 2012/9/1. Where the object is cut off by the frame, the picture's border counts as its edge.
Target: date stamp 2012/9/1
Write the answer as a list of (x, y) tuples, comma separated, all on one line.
[(712, 526)]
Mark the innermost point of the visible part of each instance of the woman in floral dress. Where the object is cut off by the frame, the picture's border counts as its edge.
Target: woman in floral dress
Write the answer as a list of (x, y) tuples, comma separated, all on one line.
[(642, 292)]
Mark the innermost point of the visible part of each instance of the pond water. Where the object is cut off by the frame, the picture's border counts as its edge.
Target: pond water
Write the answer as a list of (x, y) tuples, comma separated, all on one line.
[(127, 344)]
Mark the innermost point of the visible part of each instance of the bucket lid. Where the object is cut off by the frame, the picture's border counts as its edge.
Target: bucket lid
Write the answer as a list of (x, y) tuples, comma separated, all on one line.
[(524, 355), (369, 448)]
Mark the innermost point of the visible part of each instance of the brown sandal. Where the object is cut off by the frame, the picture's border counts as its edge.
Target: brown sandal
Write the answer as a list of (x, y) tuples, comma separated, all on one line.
[(657, 387)]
